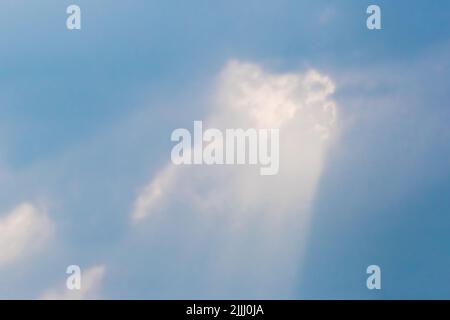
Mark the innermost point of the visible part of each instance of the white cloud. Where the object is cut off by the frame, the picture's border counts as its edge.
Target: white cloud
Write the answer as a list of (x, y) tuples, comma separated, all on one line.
[(23, 231), (272, 211), (248, 97), (91, 281), (154, 193)]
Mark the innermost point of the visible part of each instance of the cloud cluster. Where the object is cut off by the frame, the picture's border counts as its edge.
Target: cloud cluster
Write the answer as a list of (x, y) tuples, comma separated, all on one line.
[(248, 97), (261, 220), (254, 226)]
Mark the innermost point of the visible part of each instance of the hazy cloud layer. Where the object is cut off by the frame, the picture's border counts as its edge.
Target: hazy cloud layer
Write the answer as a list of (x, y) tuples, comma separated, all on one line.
[(261, 221)]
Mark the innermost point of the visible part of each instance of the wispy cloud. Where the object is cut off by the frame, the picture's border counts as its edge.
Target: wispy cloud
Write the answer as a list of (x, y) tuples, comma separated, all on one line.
[(91, 282), (23, 231)]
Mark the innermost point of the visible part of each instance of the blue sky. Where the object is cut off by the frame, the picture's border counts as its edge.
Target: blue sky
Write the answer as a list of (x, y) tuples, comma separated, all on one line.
[(85, 124)]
